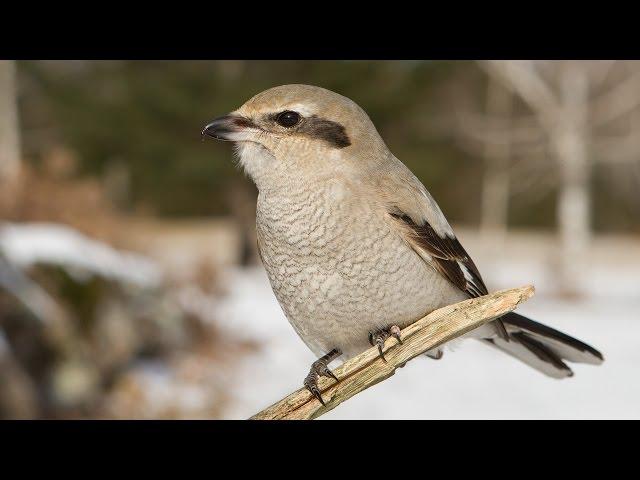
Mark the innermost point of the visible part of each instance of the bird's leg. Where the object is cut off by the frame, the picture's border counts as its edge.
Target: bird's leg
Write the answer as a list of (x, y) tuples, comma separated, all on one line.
[(435, 354), (380, 336), (321, 368)]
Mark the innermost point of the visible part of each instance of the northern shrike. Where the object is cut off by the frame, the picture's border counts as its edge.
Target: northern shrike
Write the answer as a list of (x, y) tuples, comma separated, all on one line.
[(354, 245)]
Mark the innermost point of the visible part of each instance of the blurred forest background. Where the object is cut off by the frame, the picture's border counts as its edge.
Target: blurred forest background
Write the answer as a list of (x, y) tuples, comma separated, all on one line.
[(118, 223)]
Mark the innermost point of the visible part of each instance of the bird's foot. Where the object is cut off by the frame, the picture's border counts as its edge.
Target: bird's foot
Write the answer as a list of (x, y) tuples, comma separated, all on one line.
[(379, 337), (320, 368)]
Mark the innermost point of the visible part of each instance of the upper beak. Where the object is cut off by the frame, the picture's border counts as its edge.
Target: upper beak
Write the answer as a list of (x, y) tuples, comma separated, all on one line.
[(226, 127)]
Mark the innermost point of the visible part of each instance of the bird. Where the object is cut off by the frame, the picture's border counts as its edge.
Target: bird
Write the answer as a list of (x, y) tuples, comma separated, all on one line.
[(354, 246)]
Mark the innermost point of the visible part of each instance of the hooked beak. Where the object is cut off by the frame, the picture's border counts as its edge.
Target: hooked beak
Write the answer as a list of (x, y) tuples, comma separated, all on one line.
[(227, 127)]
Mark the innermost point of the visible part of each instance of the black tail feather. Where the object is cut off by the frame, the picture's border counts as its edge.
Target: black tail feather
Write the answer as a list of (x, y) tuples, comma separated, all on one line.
[(543, 347), (539, 329), (541, 351)]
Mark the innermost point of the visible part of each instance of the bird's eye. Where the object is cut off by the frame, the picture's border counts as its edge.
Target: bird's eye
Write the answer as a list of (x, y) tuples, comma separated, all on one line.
[(288, 118)]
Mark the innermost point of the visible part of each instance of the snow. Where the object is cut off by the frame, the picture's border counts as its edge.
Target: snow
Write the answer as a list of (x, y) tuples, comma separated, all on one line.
[(27, 244), (472, 382)]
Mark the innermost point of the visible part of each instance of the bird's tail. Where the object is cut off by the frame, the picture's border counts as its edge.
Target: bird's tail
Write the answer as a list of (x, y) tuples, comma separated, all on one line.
[(542, 347)]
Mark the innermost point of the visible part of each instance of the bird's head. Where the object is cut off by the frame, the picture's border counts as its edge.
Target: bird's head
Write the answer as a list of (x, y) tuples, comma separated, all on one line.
[(299, 128)]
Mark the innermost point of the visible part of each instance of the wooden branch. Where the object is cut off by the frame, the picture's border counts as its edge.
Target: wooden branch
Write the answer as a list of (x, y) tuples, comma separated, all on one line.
[(367, 369)]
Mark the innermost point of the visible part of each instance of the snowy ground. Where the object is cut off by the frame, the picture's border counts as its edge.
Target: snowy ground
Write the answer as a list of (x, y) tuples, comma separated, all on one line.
[(472, 382)]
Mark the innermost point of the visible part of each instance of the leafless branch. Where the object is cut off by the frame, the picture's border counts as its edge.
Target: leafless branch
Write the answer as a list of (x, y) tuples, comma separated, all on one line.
[(522, 77), (617, 101)]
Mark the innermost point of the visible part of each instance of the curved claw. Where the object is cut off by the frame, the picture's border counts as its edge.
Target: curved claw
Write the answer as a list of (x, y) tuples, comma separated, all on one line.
[(315, 392), (380, 342), (320, 367), (378, 338), (328, 373)]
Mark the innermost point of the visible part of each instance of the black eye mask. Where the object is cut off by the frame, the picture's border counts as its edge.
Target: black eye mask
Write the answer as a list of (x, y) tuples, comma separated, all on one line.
[(331, 132), (328, 131)]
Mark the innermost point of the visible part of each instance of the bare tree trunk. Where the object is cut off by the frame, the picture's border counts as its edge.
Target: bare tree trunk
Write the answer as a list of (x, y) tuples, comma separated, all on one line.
[(570, 145), (9, 138), (495, 188), (559, 94)]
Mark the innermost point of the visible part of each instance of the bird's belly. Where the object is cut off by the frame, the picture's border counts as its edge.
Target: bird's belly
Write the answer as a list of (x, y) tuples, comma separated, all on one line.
[(337, 281)]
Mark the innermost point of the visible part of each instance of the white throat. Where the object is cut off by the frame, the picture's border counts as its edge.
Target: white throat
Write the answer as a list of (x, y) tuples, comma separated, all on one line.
[(256, 160)]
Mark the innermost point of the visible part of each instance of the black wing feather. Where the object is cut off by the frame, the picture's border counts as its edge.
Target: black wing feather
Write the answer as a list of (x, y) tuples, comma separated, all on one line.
[(450, 258), (449, 255)]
